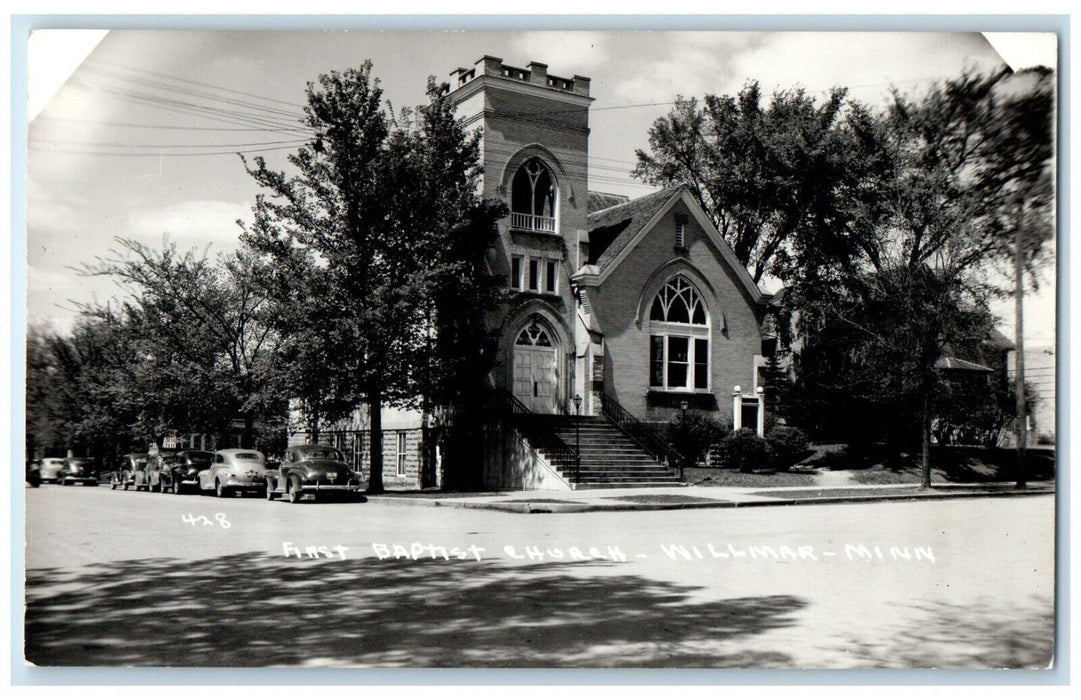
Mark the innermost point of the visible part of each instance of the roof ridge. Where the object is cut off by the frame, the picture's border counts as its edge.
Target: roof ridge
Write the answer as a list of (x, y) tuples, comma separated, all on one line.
[(673, 188)]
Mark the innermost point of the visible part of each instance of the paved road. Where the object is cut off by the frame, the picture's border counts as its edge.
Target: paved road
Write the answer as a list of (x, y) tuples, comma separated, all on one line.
[(121, 578)]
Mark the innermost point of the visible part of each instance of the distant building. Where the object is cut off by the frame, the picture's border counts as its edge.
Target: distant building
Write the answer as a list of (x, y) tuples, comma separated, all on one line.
[(1040, 380)]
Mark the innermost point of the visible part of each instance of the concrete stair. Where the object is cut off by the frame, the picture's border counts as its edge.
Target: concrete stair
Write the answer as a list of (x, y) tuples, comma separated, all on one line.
[(609, 458)]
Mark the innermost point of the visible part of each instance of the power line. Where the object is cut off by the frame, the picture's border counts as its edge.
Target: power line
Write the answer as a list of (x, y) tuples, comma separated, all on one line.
[(181, 155), (294, 142), (192, 82), (151, 126)]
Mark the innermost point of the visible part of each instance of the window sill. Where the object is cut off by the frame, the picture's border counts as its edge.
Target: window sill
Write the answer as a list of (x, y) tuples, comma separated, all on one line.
[(698, 399), (536, 232), (535, 293)]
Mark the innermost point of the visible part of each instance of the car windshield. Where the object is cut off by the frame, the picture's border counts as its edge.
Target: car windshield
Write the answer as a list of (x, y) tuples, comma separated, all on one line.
[(254, 456), (320, 453)]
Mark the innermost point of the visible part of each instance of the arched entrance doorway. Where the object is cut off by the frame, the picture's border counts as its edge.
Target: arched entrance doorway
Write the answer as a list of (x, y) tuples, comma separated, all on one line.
[(536, 367)]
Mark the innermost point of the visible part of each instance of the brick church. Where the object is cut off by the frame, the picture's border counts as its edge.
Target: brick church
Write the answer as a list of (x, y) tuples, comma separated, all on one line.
[(625, 311)]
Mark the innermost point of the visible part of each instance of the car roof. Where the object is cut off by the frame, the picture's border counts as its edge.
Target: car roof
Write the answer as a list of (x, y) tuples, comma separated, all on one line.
[(235, 450)]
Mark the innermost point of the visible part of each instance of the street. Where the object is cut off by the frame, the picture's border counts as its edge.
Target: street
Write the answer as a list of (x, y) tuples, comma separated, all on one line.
[(138, 579)]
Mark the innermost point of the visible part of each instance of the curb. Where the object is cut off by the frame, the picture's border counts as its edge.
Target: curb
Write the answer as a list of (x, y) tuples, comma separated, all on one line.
[(528, 507)]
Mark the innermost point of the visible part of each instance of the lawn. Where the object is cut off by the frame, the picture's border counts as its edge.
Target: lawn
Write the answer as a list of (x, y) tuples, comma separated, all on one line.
[(713, 476)]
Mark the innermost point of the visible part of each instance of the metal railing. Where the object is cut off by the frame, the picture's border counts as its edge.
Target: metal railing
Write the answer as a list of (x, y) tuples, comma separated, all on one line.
[(532, 222), (645, 436), (539, 435)]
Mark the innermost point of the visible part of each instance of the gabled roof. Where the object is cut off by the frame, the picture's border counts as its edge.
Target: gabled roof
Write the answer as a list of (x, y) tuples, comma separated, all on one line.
[(603, 200), (957, 364), (996, 339), (612, 229)]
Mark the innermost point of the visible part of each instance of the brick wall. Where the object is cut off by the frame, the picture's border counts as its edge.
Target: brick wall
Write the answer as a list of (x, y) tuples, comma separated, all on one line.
[(616, 303), (345, 441)]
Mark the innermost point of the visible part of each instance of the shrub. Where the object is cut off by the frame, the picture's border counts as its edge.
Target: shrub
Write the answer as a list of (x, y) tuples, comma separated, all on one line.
[(692, 434), (788, 445), (744, 450)]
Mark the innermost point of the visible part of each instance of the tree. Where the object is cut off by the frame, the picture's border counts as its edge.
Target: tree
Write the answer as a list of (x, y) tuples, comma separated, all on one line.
[(79, 389), (759, 171), (202, 332), (381, 213), (911, 278)]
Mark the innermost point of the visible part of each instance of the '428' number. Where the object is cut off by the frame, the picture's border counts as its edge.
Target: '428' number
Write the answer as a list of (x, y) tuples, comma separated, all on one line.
[(193, 520)]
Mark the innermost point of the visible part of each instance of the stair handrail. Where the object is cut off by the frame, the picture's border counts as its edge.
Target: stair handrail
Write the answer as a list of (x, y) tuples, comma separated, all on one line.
[(539, 437), (642, 434)]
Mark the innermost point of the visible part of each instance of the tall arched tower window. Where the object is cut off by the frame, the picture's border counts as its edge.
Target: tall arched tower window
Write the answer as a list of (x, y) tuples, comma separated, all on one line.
[(533, 202), (679, 338)]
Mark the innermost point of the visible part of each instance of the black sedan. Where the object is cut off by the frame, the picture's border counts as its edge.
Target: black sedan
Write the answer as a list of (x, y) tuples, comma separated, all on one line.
[(78, 470)]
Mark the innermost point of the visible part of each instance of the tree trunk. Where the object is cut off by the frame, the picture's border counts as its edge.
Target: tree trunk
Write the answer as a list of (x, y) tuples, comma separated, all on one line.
[(248, 437), (925, 425), (375, 414)]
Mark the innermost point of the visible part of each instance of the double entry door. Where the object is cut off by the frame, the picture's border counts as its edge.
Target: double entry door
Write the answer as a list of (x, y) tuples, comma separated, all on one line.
[(536, 378)]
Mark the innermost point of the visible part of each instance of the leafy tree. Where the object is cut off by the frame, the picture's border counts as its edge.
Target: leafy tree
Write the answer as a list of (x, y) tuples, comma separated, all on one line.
[(760, 171), (78, 391), (204, 341), (381, 214), (910, 278)]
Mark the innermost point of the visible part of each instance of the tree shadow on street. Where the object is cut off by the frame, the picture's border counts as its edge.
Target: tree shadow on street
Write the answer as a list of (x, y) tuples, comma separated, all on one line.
[(257, 610), (979, 635)]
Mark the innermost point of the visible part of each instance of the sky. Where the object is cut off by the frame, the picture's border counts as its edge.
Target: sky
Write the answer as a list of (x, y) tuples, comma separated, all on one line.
[(140, 141)]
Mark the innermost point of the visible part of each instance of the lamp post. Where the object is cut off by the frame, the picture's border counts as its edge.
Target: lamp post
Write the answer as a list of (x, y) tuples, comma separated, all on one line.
[(577, 437)]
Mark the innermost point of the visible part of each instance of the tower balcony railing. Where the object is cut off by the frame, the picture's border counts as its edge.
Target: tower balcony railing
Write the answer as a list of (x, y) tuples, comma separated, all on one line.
[(532, 222)]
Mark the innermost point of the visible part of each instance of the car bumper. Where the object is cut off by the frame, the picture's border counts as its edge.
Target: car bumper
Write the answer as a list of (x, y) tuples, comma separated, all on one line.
[(244, 483), (81, 479), (329, 488)]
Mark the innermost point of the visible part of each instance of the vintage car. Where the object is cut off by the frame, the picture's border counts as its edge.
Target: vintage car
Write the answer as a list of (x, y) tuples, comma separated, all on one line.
[(50, 469), (131, 472), (33, 473), (180, 471), (155, 465), (78, 470), (315, 470), (234, 471)]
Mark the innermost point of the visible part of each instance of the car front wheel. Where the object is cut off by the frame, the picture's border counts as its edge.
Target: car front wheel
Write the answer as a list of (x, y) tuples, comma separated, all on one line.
[(219, 489)]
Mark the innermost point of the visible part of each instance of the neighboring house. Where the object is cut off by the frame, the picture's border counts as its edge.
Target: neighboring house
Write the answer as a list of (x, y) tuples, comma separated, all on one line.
[(403, 431), (637, 308)]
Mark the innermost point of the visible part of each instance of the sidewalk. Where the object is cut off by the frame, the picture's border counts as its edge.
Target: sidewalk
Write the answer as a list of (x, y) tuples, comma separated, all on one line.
[(681, 497)]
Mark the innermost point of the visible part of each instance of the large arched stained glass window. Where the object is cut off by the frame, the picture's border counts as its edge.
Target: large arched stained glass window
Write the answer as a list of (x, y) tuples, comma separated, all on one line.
[(679, 338), (533, 198)]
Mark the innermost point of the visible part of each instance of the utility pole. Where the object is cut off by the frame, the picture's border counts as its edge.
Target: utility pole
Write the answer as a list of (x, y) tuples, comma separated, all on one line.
[(1019, 342)]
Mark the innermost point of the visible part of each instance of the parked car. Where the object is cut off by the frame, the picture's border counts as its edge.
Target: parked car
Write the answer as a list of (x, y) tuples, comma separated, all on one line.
[(316, 470), (155, 465), (181, 472), (79, 470), (234, 471), (33, 473), (50, 469), (132, 471)]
